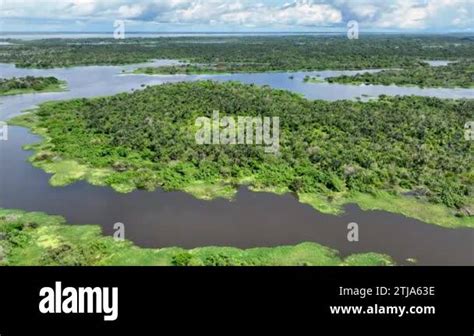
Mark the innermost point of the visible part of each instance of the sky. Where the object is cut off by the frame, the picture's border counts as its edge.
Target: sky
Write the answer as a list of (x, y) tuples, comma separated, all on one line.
[(236, 15)]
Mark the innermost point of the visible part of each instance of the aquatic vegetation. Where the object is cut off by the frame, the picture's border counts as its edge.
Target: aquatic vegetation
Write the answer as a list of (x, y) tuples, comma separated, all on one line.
[(38, 239), (310, 79)]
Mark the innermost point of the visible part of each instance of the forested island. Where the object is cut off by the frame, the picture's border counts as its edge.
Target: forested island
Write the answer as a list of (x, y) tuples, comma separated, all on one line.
[(332, 153), (457, 74), (29, 84), (313, 79), (246, 53), (36, 239), (191, 69)]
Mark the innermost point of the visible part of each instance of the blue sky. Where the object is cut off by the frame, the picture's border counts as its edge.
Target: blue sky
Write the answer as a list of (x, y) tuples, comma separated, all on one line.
[(237, 15)]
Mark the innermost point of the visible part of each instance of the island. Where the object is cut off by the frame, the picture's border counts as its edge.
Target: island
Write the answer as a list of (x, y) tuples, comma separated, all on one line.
[(30, 84), (458, 74), (400, 154)]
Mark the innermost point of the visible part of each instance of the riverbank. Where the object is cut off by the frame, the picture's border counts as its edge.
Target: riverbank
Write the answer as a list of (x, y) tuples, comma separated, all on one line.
[(38, 239), (408, 206)]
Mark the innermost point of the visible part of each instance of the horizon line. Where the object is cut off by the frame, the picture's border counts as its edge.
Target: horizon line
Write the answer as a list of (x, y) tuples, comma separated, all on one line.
[(238, 32)]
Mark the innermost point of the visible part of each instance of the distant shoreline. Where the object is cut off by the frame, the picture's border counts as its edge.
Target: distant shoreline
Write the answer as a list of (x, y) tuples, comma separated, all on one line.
[(26, 35)]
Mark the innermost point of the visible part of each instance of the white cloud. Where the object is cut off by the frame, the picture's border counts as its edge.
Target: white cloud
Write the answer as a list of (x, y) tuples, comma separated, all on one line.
[(299, 13), (307, 13), (405, 14), (375, 14), (411, 14), (83, 7), (366, 11)]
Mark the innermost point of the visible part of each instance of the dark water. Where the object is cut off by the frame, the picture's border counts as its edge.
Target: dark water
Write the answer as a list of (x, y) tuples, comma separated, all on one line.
[(160, 219)]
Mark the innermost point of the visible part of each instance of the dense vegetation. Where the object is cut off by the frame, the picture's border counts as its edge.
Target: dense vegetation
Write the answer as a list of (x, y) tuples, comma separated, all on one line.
[(313, 79), (251, 53), (39, 239), (9, 86), (191, 69), (457, 74), (147, 139)]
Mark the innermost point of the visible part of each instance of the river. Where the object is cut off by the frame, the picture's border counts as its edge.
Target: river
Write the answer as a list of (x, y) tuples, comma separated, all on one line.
[(161, 219)]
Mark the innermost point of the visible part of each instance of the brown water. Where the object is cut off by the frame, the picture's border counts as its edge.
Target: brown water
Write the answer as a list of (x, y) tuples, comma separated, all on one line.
[(161, 219)]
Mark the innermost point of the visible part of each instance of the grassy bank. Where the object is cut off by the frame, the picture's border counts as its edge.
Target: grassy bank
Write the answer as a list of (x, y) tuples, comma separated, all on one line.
[(32, 238), (408, 206)]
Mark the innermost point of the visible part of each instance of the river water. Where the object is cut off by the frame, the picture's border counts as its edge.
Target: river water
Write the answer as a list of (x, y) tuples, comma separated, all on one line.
[(161, 219)]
